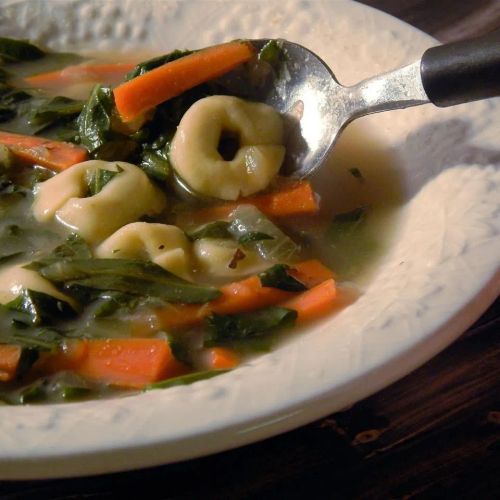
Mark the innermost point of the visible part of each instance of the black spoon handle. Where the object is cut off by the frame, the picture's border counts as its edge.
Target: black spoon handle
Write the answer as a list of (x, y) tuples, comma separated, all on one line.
[(462, 71)]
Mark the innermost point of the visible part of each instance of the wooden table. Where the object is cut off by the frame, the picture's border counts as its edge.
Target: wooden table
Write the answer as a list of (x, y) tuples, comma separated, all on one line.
[(436, 433)]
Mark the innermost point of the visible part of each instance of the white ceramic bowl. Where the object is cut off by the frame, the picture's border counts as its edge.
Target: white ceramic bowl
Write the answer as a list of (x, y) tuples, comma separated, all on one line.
[(439, 275)]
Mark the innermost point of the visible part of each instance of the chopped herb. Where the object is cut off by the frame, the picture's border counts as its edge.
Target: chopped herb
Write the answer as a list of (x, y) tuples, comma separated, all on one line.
[(55, 109), (356, 173), (238, 255), (110, 302), (97, 179), (40, 339), (345, 223), (272, 52), (278, 277), (226, 328), (12, 50), (217, 229), (190, 378)]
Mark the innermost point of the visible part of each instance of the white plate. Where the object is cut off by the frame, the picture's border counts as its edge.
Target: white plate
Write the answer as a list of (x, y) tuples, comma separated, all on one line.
[(438, 276)]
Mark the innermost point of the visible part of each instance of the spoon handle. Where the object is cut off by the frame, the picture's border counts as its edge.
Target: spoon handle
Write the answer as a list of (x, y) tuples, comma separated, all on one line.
[(462, 71)]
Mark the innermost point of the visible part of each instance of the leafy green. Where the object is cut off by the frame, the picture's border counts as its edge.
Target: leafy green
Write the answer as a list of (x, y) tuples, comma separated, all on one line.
[(12, 50), (248, 239), (190, 378), (94, 122), (278, 277), (39, 308), (97, 179), (356, 173), (40, 339), (216, 229), (226, 328), (127, 276), (109, 302), (156, 164), (150, 64), (247, 219), (54, 109), (272, 52)]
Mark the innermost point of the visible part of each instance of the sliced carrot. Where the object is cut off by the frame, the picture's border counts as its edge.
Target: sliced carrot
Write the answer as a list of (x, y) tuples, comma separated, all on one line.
[(10, 356), (241, 296), (314, 303), (311, 272), (69, 357), (106, 73), (131, 363), (222, 358), (295, 199), (171, 79), (55, 155)]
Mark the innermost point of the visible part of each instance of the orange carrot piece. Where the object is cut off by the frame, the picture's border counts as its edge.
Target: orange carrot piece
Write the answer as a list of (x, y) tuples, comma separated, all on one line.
[(295, 199), (131, 363), (171, 79), (9, 361), (222, 358), (241, 296), (69, 357), (107, 73), (311, 272), (314, 303), (55, 155)]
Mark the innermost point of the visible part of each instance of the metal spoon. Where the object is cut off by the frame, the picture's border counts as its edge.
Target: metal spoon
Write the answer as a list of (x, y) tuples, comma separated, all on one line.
[(446, 75), (318, 108)]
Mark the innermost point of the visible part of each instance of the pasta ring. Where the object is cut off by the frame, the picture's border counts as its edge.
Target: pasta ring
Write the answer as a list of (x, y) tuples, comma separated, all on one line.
[(195, 158)]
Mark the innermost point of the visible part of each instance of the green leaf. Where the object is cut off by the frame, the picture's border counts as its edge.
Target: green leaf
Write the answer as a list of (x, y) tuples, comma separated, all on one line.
[(247, 219), (150, 64), (39, 308), (110, 302), (156, 165), (40, 339), (55, 109), (190, 378), (12, 50), (271, 53), (278, 277), (97, 179), (248, 239), (217, 229), (127, 276), (224, 328), (94, 122), (356, 173)]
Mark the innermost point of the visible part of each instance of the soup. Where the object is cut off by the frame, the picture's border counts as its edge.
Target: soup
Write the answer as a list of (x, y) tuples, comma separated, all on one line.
[(147, 239)]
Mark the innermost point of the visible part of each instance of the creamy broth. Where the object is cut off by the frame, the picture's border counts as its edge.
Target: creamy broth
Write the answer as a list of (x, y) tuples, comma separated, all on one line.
[(359, 192)]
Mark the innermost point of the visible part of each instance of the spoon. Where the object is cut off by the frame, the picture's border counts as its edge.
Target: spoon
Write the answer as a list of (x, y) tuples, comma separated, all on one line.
[(317, 107)]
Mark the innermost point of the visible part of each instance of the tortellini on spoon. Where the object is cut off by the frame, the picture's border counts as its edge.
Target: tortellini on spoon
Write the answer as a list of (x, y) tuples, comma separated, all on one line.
[(194, 151)]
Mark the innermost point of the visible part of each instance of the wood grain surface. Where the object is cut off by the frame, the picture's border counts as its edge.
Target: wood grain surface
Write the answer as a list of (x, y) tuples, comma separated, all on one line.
[(433, 434)]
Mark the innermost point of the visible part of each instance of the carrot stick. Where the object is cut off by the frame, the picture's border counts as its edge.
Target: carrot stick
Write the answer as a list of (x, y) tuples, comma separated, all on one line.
[(314, 303), (9, 361), (241, 296), (222, 358), (295, 199), (55, 155), (171, 79), (69, 357), (106, 73)]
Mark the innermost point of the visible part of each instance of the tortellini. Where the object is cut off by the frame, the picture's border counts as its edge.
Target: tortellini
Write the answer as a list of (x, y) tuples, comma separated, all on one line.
[(164, 245), (194, 150), (216, 257), (126, 197), (15, 279)]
